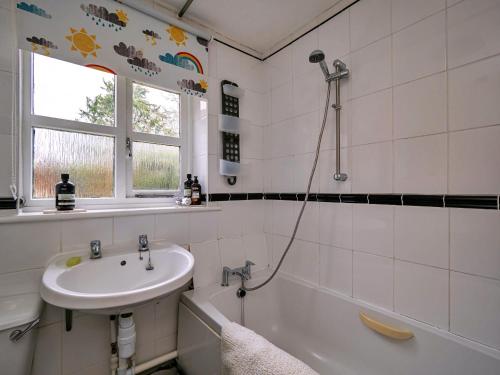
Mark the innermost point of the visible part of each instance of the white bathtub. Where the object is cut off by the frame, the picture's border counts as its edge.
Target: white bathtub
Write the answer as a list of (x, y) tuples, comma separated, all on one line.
[(323, 329)]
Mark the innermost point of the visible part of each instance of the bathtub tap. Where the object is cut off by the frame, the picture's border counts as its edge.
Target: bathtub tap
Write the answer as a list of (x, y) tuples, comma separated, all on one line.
[(243, 272)]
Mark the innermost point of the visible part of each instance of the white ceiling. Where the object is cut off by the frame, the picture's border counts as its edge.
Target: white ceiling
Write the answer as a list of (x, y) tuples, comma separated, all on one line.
[(257, 24)]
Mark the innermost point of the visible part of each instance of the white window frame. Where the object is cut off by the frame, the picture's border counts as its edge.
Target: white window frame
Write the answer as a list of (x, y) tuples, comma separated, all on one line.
[(124, 195)]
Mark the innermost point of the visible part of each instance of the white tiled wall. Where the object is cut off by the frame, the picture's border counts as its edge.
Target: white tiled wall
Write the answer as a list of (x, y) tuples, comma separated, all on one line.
[(235, 233), (217, 238), (420, 115), (26, 249)]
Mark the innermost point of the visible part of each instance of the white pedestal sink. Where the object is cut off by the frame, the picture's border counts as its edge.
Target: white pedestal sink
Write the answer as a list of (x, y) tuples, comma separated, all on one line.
[(119, 280)]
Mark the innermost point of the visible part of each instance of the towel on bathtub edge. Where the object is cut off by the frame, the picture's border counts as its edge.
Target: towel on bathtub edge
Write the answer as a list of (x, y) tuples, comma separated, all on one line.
[(246, 353)]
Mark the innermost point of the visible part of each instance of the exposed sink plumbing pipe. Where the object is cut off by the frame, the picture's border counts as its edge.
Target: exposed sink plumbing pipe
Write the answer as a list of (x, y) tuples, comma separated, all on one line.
[(114, 349), (122, 361), (126, 345)]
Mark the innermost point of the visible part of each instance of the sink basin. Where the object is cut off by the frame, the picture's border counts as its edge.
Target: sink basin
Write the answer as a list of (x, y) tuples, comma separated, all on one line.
[(116, 281)]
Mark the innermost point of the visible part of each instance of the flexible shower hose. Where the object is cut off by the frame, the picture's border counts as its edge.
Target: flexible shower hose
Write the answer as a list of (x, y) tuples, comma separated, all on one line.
[(304, 203)]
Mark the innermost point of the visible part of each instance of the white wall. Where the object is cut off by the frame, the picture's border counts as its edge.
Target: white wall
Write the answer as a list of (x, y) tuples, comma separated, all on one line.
[(231, 235), (420, 115), (416, 120), (6, 75)]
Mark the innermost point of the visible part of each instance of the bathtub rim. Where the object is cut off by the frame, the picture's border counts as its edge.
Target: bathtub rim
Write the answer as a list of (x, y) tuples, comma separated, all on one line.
[(199, 302)]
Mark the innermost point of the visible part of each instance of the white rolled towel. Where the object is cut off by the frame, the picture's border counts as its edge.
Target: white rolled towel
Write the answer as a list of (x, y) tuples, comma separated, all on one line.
[(246, 353)]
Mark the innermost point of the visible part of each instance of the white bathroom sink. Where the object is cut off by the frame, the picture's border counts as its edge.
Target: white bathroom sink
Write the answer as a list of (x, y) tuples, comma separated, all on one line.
[(117, 280)]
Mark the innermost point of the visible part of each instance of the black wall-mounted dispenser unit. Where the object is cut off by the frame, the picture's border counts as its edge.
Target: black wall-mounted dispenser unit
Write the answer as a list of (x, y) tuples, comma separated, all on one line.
[(229, 127)]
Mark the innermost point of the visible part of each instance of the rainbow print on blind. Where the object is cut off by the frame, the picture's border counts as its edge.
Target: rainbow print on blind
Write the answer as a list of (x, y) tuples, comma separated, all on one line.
[(192, 58), (184, 60)]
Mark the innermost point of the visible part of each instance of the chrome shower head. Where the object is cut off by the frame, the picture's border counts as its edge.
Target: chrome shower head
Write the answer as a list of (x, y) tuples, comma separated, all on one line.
[(318, 56)]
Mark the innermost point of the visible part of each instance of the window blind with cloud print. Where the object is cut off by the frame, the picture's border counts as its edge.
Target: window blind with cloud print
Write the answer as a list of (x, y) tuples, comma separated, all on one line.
[(112, 37)]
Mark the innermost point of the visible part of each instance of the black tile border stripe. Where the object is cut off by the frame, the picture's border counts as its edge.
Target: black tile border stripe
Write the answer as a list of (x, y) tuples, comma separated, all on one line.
[(423, 200), (471, 201), (354, 198), (332, 198), (7, 203), (489, 202), (255, 196), (219, 197), (387, 199), (272, 196)]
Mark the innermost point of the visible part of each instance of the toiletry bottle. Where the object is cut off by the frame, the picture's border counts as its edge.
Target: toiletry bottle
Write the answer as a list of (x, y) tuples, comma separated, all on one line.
[(196, 192), (65, 194), (187, 186)]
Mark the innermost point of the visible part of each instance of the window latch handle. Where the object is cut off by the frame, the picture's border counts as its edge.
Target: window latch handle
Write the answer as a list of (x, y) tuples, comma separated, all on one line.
[(128, 147)]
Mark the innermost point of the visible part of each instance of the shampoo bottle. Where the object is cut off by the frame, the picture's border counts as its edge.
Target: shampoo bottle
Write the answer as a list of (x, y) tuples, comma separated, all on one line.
[(187, 186), (65, 194), (196, 192)]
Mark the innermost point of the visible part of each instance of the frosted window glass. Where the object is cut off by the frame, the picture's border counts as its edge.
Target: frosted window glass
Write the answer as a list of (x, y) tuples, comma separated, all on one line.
[(89, 160), (72, 92), (155, 111), (155, 167)]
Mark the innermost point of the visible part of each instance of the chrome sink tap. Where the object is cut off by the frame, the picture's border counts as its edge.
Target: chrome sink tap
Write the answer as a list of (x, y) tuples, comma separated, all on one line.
[(245, 272), (95, 249), (144, 246)]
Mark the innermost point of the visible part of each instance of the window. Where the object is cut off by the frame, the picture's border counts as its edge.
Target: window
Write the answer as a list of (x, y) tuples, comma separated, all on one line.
[(155, 139), (117, 138)]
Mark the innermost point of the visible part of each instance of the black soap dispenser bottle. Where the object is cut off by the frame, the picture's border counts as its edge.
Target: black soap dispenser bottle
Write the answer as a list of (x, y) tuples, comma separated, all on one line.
[(65, 194), (196, 192), (187, 186)]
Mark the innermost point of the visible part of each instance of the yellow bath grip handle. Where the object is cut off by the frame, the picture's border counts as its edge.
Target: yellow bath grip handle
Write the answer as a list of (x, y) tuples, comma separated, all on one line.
[(385, 329)]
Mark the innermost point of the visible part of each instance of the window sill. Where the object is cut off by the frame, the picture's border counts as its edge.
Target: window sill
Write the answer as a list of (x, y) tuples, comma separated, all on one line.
[(112, 212)]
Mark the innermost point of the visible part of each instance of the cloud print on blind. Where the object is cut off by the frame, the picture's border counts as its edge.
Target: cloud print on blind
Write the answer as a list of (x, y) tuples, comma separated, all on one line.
[(32, 8), (151, 36), (41, 43), (135, 57), (104, 17)]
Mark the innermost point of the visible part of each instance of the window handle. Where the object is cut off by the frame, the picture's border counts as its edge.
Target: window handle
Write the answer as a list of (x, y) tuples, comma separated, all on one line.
[(128, 147)]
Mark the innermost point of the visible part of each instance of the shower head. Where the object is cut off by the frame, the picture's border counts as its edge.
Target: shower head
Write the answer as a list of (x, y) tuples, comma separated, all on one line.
[(318, 56)]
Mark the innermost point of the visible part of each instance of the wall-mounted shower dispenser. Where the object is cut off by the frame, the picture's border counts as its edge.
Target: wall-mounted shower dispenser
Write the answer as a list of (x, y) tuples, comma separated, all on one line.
[(229, 127)]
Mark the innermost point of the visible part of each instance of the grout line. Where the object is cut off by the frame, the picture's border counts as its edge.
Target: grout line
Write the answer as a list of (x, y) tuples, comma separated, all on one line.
[(482, 59), (393, 143), (449, 270), (33, 268), (447, 106), (421, 264), (352, 248), (473, 128), (349, 15), (113, 229), (395, 139), (419, 20), (475, 275)]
